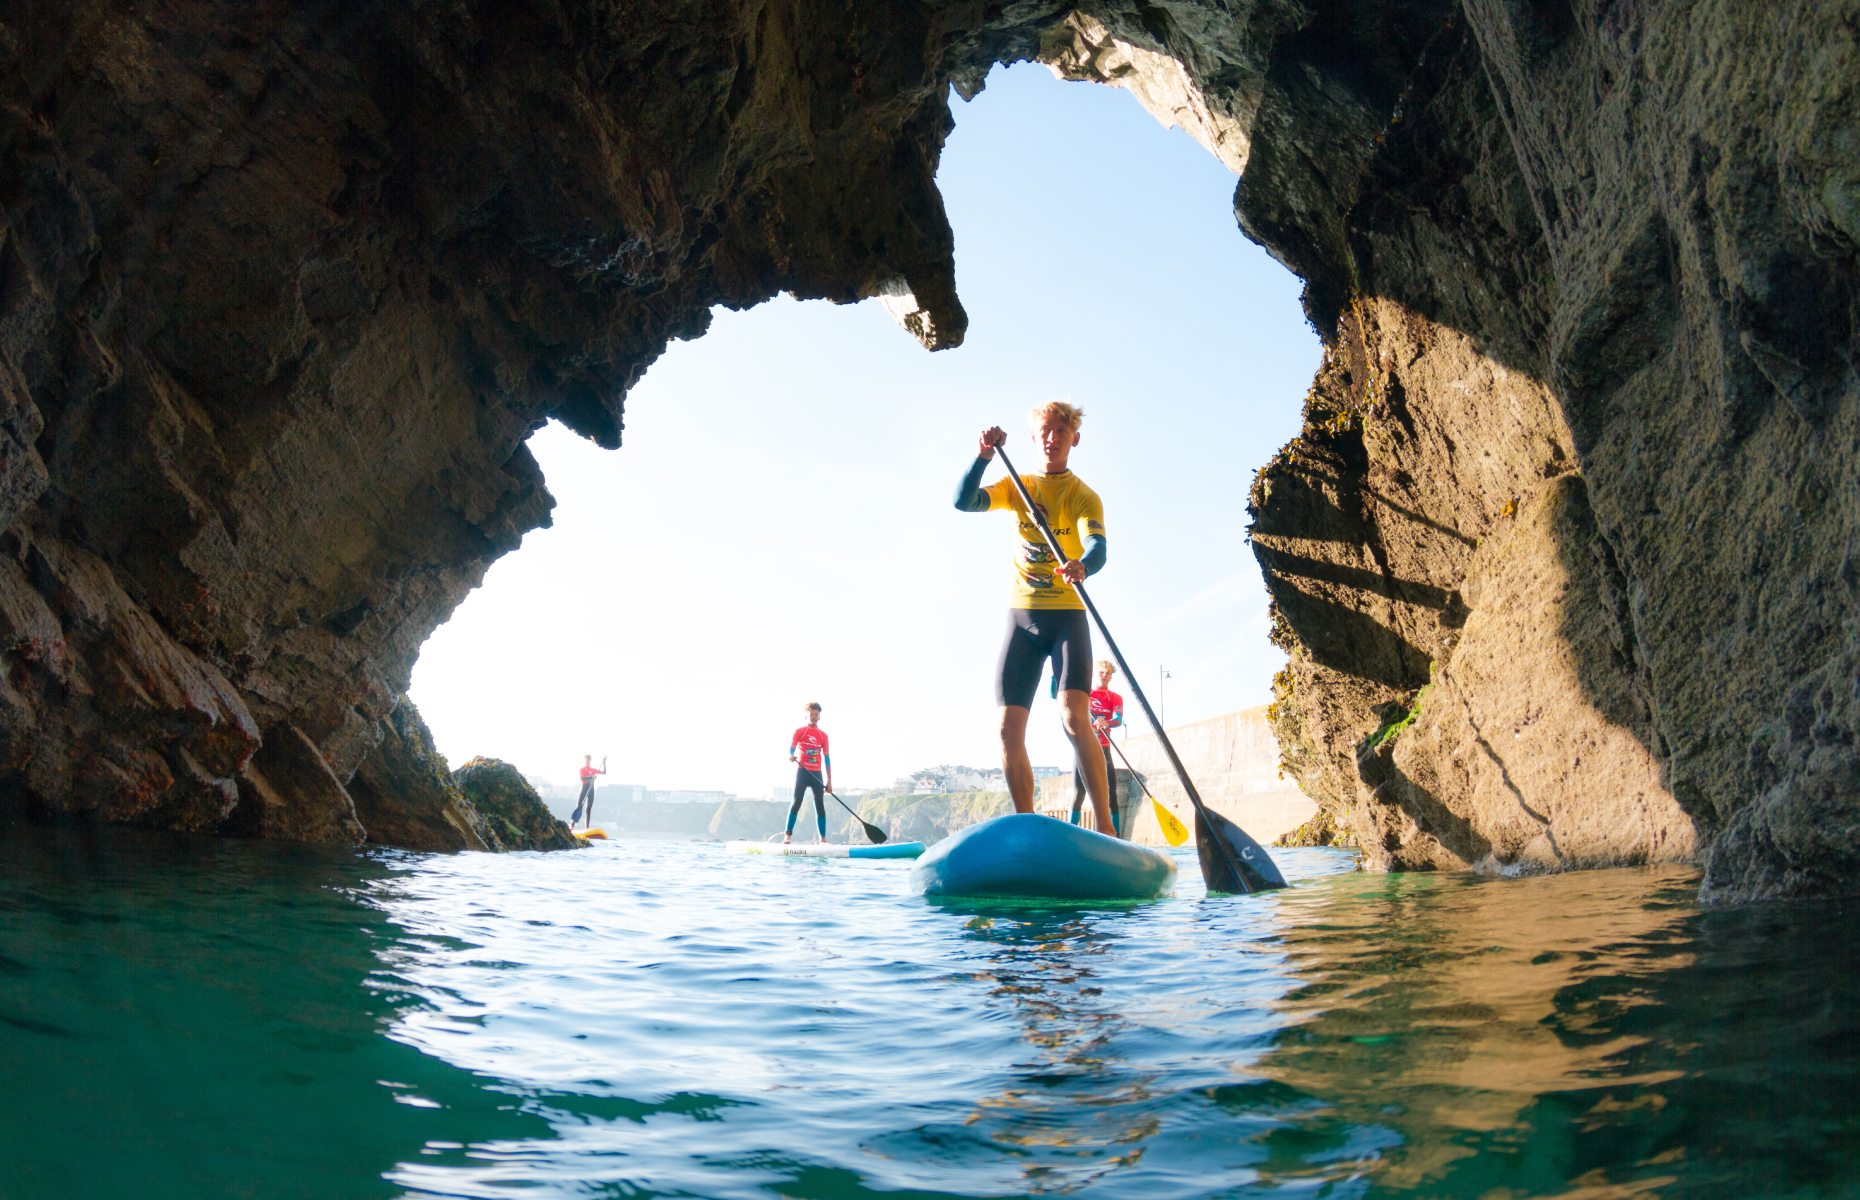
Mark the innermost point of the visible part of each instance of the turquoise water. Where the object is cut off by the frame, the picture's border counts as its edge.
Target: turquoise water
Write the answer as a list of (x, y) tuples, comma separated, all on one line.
[(193, 1018)]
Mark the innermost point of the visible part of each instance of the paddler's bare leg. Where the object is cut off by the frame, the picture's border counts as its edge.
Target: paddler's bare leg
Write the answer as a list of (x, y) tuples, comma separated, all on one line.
[(1075, 712), (1014, 761)]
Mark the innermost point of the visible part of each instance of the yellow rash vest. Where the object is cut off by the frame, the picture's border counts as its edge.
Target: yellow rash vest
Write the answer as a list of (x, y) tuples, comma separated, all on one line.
[(1074, 512)]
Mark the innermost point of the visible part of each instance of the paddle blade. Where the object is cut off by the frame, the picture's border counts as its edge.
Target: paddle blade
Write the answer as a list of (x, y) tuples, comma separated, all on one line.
[(1232, 862), (1173, 831), (872, 831)]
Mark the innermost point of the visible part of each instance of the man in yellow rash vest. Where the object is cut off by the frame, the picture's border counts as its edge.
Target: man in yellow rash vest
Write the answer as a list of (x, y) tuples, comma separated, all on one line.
[(1046, 617)]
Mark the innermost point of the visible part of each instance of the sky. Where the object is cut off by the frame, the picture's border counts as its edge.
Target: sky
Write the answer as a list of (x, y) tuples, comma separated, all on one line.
[(777, 525)]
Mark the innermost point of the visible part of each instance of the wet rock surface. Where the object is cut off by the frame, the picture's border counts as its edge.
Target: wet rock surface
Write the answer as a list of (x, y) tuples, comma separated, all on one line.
[(284, 288), (405, 794), (513, 816), (1552, 463)]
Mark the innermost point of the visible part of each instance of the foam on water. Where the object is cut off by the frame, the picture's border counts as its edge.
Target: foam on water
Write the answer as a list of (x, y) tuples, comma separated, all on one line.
[(184, 1017)]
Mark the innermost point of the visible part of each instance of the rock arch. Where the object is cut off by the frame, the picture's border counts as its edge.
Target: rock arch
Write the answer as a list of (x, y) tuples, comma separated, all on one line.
[(283, 288)]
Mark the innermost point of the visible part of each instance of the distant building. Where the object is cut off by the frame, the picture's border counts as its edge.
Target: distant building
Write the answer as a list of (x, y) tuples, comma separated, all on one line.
[(688, 797), (948, 778), (993, 779)]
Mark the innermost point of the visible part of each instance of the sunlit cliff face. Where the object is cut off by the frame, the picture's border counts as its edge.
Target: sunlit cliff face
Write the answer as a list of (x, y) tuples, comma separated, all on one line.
[(282, 291)]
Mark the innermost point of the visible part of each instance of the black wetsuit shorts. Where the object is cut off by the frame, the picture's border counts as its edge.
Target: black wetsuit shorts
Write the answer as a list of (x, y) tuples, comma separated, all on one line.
[(1036, 636)]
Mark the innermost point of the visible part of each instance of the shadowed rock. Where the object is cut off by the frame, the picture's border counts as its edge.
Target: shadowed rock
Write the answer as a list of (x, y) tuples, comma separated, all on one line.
[(405, 794)]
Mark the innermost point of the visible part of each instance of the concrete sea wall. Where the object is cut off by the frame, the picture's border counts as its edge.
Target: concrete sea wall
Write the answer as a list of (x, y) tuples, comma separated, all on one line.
[(1234, 763)]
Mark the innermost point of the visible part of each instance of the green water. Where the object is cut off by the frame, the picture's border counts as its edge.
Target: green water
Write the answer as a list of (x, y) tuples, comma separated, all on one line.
[(191, 1018)]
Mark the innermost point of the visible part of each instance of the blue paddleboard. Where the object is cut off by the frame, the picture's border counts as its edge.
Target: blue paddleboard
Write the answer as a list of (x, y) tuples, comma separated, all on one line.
[(1028, 856)]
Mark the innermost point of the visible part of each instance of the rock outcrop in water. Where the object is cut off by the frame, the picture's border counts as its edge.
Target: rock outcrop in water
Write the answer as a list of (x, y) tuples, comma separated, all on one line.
[(513, 816), (283, 289), (405, 795)]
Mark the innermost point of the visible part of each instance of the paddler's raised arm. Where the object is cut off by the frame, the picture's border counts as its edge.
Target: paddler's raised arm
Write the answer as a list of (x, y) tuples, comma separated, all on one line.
[(969, 494)]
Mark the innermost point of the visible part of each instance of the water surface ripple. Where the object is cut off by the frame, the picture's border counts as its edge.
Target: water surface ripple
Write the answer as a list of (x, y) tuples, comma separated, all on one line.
[(194, 1018)]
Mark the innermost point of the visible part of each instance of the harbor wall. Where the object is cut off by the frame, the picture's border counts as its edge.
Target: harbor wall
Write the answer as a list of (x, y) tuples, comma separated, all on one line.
[(1233, 760)]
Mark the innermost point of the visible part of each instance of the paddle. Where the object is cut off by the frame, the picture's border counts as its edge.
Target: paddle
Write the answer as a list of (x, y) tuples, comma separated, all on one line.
[(1230, 860), (872, 831), (1174, 832)]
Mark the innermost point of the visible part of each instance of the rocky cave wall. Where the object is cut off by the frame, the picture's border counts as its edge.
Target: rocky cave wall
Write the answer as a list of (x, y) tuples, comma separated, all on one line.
[(1576, 492), (284, 287)]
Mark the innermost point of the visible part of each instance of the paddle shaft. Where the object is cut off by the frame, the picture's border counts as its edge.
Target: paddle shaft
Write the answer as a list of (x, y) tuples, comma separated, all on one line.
[(1125, 759), (872, 831), (1046, 531), (1172, 822)]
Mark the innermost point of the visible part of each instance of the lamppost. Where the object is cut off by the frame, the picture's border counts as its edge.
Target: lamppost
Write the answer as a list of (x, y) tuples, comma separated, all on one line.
[(1162, 709)]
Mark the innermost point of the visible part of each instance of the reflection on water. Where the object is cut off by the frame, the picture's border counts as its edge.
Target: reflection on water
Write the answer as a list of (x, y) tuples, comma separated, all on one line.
[(1589, 1035), (1431, 1012), (185, 1017), (196, 1018), (1071, 1109)]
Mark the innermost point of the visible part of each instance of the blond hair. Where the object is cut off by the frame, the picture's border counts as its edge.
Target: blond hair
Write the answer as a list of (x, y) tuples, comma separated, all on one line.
[(1105, 664), (1071, 414)]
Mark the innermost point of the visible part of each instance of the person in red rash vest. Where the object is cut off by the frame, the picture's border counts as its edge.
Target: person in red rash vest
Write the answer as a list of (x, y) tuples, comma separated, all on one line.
[(1107, 713), (585, 801), (814, 771)]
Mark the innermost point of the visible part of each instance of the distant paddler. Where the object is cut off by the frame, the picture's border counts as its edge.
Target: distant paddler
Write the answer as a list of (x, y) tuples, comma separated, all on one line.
[(1107, 713), (807, 748), (1046, 616), (585, 801)]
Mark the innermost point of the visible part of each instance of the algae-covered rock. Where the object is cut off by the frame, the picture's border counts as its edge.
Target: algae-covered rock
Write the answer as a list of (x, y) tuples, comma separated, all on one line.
[(1320, 830), (515, 817)]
